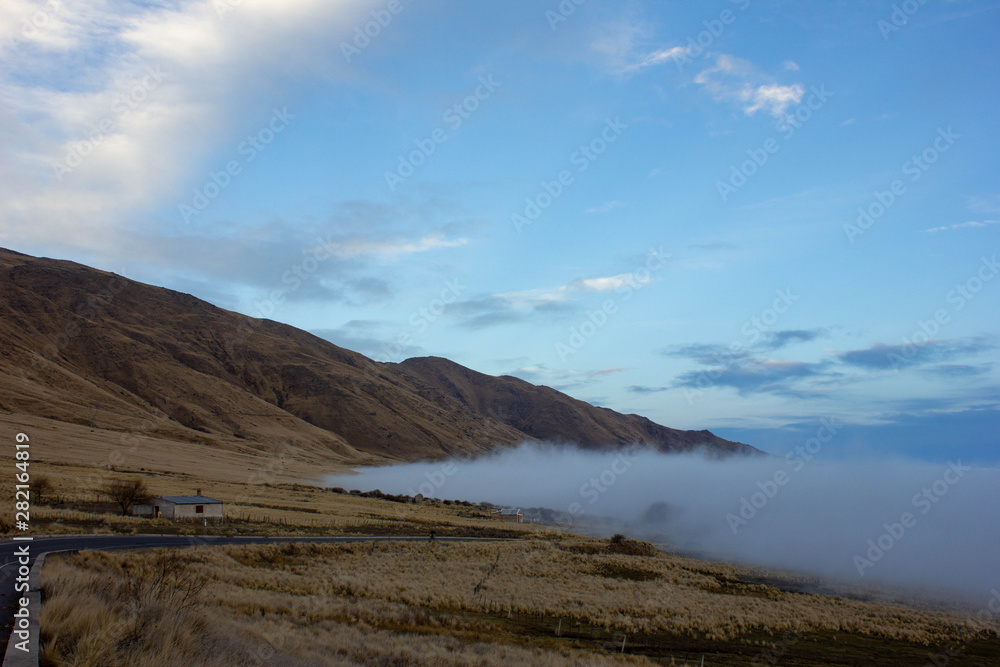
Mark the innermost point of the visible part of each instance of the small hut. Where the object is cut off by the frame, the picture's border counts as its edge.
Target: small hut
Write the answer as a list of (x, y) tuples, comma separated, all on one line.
[(182, 507), (509, 515)]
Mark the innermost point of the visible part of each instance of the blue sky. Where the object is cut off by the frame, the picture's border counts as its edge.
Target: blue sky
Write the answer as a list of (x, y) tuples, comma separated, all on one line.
[(742, 216)]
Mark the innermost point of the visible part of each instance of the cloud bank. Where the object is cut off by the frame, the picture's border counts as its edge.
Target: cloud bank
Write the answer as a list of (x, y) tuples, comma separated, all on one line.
[(926, 526), (110, 108)]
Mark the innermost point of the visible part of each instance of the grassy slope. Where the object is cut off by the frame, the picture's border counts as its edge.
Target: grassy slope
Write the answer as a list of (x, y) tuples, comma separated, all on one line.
[(544, 600)]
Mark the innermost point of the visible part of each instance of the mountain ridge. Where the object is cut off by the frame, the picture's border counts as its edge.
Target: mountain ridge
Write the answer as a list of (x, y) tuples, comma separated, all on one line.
[(82, 342)]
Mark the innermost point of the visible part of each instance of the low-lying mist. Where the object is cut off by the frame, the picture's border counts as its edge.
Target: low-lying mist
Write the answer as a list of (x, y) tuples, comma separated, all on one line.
[(917, 524)]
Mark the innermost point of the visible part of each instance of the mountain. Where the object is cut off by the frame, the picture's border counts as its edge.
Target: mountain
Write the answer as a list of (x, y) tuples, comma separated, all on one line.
[(87, 347), (543, 413)]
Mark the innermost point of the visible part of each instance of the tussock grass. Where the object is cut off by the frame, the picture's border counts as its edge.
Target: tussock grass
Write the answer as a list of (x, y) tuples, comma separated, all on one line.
[(264, 604), (440, 603)]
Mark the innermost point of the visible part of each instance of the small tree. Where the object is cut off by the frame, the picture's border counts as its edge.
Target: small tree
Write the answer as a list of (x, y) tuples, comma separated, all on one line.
[(126, 492), (40, 486)]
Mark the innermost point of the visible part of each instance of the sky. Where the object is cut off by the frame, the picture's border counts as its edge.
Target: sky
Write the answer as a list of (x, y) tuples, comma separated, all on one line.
[(744, 216)]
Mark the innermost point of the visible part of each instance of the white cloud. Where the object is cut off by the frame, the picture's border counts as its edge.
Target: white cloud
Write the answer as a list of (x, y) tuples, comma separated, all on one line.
[(536, 297), (727, 64), (88, 66), (606, 284), (736, 80), (964, 225), (731, 79), (659, 57), (775, 99), (620, 46), (533, 298), (605, 207), (356, 247), (616, 44)]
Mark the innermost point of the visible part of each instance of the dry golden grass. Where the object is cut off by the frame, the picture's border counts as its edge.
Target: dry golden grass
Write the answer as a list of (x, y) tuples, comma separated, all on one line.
[(553, 578), (270, 508), (152, 445), (431, 603), (265, 486), (90, 617)]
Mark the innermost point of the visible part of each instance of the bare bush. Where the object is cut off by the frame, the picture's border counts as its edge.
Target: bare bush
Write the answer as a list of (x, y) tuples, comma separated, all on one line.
[(39, 487), (163, 580), (126, 492)]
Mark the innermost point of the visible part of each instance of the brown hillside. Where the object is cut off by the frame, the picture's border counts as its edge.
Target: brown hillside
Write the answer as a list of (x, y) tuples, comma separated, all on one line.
[(84, 346), (546, 414)]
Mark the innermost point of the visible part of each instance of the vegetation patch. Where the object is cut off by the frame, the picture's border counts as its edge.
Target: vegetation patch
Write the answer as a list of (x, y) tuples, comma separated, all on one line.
[(616, 544), (618, 571), (619, 544)]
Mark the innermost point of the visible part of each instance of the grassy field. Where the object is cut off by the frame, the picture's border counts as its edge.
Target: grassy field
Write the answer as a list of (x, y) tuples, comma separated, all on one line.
[(544, 599), (261, 509), (263, 492)]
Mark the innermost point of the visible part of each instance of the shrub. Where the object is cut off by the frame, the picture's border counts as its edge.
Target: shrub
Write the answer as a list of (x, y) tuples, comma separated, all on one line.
[(126, 492), (40, 486)]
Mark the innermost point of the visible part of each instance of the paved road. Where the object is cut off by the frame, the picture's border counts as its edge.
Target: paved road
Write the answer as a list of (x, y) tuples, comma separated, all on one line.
[(42, 544)]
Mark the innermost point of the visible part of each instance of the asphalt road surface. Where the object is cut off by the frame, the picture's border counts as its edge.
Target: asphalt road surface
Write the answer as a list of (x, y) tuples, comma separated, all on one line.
[(42, 544)]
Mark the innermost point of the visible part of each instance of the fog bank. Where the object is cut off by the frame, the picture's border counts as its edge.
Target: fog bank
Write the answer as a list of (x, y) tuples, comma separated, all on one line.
[(918, 524)]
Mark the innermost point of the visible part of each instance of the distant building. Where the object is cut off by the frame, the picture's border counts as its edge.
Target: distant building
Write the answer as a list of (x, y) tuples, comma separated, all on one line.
[(181, 507), (509, 515)]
